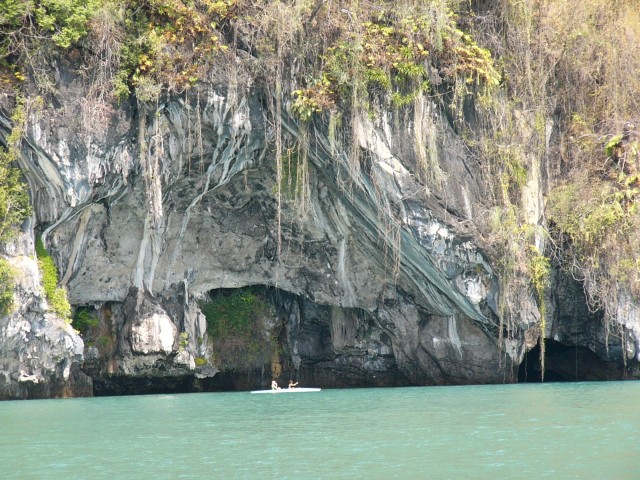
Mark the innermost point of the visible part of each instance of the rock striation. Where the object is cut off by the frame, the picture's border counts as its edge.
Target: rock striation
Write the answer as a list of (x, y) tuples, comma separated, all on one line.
[(379, 276)]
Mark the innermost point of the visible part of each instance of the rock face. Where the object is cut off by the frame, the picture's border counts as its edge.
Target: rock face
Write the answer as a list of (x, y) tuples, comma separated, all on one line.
[(40, 354), (379, 263)]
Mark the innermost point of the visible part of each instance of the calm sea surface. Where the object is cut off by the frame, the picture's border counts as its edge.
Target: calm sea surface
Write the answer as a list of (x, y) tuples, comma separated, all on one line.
[(569, 430)]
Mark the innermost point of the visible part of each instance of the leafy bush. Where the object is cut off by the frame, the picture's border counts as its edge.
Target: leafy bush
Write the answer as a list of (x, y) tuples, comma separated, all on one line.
[(84, 320), (170, 41), (389, 52), (166, 45), (7, 286), (68, 20), (588, 211), (599, 222), (26, 26), (232, 313), (235, 324), (56, 296), (153, 44), (14, 198), (15, 206)]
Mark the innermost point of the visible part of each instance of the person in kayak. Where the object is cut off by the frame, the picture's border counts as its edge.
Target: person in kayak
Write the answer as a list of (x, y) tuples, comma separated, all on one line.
[(274, 385), (292, 385)]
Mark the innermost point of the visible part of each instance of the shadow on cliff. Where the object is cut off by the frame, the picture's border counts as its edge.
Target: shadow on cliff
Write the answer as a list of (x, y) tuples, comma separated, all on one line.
[(566, 363)]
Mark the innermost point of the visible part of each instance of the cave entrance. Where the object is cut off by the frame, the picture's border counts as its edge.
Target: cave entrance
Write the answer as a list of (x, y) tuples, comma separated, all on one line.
[(565, 363)]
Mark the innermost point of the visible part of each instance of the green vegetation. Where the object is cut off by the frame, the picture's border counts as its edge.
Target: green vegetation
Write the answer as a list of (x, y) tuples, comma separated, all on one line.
[(598, 221), (184, 341), (523, 270), (104, 341), (294, 177), (611, 145), (232, 313), (23, 24), (67, 20), (168, 44), (150, 46), (147, 45), (15, 206), (582, 59), (390, 52), (56, 296), (84, 320), (235, 324), (538, 270), (7, 286)]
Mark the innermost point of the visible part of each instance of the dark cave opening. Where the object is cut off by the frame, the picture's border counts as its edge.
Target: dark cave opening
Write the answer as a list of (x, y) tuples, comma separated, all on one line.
[(565, 363)]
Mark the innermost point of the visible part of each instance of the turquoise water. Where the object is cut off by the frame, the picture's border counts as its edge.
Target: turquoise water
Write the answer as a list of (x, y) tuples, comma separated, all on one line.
[(568, 430)]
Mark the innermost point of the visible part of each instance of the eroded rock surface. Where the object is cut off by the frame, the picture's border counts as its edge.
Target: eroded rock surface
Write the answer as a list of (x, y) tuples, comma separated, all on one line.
[(40, 354), (381, 263)]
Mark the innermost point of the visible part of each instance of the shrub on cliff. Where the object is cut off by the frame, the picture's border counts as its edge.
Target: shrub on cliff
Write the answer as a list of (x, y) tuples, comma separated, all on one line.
[(15, 206), (236, 327), (56, 296), (7, 286), (14, 198), (84, 320), (148, 45)]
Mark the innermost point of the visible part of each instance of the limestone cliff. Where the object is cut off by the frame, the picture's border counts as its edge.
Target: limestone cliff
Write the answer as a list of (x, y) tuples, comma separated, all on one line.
[(369, 245)]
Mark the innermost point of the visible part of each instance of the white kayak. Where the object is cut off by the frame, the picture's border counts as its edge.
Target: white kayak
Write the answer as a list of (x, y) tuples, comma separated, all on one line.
[(288, 390)]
